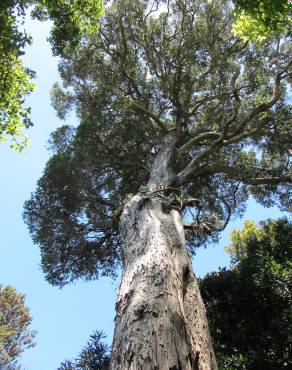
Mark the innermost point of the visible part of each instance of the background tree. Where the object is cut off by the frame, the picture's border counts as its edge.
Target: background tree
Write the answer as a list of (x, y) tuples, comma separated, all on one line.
[(258, 19), (180, 122), (15, 334), (71, 19), (94, 356), (253, 330), (15, 81)]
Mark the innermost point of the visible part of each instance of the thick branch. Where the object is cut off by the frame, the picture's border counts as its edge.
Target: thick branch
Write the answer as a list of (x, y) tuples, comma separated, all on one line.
[(237, 135), (197, 139), (138, 108), (213, 134), (268, 180), (246, 134), (188, 170), (244, 176), (263, 107)]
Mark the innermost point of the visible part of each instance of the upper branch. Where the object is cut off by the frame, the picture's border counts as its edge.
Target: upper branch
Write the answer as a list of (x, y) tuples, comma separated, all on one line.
[(197, 139), (188, 170), (263, 107), (244, 176), (241, 132), (138, 108)]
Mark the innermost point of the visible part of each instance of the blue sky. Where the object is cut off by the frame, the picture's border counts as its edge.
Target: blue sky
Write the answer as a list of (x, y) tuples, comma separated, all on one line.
[(63, 318)]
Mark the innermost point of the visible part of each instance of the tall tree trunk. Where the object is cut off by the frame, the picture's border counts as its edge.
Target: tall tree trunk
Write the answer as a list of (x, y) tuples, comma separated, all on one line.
[(161, 322)]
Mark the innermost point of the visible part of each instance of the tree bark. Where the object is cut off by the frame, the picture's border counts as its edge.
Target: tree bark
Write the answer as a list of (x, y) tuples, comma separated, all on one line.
[(161, 322)]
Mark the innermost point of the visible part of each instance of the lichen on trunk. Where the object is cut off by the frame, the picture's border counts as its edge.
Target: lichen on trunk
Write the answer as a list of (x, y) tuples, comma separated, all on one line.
[(160, 322)]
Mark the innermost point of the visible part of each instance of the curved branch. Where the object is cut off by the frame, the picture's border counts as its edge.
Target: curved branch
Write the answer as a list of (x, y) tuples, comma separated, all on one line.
[(263, 107), (197, 139), (138, 108), (189, 169), (246, 177)]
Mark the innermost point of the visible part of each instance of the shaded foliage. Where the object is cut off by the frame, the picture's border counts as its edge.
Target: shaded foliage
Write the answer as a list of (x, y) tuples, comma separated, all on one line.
[(258, 19), (15, 334), (71, 19), (15, 82), (155, 69), (94, 356), (249, 306)]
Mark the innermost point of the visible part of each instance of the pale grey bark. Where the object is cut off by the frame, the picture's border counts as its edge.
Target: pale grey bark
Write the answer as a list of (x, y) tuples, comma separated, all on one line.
[(161, 322)]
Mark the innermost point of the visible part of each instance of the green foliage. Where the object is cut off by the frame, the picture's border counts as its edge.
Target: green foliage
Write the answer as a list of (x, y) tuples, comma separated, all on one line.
[(15, 82), (259, 19), (84, 182), (73, 19), (12, 39), (15, 335), (15, 85), (94, 356), (249, 306), (145, 75)]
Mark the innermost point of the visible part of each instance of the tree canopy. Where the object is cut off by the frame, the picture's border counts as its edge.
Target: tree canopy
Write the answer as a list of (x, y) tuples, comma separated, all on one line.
[(249, 306), (158, 72), (15, 82), (258, 19), (71, 21), (15, 334)]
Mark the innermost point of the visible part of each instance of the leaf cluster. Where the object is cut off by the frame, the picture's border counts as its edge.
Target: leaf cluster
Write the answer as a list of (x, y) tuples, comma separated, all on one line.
[(249, 305), (86, 181), (15, 82), (15, 335), (72, 20), (259, 19), (94, 356)]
